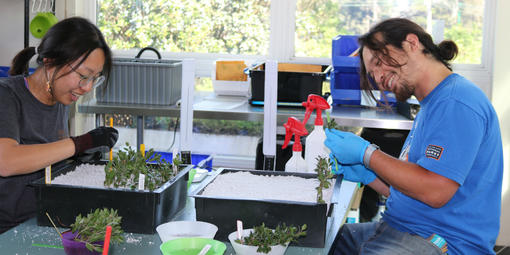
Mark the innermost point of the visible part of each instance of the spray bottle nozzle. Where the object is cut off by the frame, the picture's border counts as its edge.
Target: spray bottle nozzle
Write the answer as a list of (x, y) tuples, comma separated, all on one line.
[(296, 128), (315, 102)]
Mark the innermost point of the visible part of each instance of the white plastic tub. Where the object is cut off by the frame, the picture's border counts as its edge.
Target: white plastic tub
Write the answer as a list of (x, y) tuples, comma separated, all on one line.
[(242, 249), (179, 229)]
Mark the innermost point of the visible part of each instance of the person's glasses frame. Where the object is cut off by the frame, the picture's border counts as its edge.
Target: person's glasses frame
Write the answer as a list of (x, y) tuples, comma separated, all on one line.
[(85, 80)]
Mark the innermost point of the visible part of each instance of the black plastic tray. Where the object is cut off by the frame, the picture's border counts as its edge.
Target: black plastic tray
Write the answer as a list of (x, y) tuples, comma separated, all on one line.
[(293, 87), (224, 211), (141, 210)]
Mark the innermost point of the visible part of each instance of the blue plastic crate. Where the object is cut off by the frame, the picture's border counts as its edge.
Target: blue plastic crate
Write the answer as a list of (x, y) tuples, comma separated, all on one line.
[(4, 71), (345, 82), (195, 158)]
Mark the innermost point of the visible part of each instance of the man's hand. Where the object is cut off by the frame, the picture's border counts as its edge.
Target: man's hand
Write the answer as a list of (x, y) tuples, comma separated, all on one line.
[(355, 173), (347, 147)]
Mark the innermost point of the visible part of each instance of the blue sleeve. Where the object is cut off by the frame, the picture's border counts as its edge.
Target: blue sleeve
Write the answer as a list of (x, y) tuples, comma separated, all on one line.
[(452, 140)]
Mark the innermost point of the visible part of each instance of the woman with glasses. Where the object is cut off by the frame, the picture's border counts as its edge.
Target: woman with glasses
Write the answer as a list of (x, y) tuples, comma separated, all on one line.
[(73, 59)]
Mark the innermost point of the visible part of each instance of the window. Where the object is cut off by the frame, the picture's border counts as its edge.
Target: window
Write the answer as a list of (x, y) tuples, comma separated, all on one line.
[(317, 21), (231, 27), (297, 31), (288, 30)]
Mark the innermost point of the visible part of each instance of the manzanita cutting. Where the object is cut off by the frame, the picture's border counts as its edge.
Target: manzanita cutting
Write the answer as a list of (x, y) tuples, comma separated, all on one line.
[(324, 175), (264, 237), (125, 168)]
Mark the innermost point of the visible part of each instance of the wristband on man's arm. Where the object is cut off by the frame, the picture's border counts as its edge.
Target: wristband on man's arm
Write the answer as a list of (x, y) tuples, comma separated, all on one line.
[(368, 154)]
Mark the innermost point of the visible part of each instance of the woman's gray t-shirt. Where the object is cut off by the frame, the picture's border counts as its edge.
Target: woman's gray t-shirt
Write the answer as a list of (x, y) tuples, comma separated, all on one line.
[(28, 121)]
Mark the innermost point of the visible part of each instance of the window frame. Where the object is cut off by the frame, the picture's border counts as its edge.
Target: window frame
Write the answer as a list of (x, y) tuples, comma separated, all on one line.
[(281, 43)]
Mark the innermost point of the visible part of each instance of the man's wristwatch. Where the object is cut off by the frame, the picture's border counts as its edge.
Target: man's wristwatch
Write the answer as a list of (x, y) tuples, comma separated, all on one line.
[(368, 154)]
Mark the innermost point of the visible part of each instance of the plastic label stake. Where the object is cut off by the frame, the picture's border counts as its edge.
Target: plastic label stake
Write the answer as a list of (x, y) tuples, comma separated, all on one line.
[(188, 86), (205, 249), (111, 149), (240, 231), (270, 109), (47, 175), (142, 149), (175, 155), (141, 181)]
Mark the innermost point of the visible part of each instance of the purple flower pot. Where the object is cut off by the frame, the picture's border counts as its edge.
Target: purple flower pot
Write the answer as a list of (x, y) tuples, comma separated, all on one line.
[(72, 247)]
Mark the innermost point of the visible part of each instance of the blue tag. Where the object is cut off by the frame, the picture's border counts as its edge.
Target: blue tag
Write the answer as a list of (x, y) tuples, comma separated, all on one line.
[(438, 241)]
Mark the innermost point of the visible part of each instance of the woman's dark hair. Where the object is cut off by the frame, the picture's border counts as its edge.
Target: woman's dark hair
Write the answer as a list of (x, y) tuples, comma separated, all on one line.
[(393, 32), (64, 43)]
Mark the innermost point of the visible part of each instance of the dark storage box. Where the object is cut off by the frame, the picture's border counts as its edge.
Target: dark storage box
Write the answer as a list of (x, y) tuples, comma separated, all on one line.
[(141, 211), (224, 211), (293, 87)]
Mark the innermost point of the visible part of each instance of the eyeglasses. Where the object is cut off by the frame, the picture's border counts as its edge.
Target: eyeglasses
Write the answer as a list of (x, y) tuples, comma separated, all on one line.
[(85, 80)]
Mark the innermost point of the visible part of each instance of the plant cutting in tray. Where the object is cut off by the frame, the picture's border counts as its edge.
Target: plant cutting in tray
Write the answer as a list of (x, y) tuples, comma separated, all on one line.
[(126, 167), (264, 237), (324, 175), (92, 228)]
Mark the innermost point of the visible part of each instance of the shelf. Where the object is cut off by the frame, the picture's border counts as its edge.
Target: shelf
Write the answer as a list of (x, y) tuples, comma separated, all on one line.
[(209, 106)]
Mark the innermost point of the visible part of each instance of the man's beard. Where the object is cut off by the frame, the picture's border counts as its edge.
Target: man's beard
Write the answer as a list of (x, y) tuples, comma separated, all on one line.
[(404, 92)]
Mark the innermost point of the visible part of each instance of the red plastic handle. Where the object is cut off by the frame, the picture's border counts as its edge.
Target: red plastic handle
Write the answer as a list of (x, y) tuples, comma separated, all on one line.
[(107, 240)]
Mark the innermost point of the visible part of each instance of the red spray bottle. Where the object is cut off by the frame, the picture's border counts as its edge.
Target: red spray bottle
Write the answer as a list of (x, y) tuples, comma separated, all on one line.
[(315, 141), (295, 127)]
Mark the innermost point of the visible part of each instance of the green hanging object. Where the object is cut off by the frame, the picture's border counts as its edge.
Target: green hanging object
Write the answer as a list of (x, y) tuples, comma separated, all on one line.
[(41, 23)]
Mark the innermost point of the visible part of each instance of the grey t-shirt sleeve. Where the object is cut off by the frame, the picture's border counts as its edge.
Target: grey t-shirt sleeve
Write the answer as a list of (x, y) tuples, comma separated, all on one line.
[(9, 114)]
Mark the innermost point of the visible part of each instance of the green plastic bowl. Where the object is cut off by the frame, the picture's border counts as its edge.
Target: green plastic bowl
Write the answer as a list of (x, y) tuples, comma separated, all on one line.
[(192, 246)]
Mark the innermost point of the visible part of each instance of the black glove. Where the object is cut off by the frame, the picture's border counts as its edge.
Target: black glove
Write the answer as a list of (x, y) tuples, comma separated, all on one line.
[(89, 158), (99, 139)]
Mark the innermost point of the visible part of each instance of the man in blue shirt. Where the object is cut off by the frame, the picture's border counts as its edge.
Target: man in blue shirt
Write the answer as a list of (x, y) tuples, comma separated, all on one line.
[(444, 191)]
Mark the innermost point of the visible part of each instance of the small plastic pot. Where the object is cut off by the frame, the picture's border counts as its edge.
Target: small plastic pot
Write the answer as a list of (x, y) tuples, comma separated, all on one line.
[(179, 229), (242, 249), (72, 247)]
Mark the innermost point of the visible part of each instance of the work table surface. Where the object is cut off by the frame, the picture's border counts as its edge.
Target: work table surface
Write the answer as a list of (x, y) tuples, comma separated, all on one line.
[(28, 238)]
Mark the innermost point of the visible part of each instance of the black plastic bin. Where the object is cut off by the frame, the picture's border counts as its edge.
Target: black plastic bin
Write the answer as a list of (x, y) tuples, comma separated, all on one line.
[(224, 211), (141, 211), (293, 87), (282, 155)]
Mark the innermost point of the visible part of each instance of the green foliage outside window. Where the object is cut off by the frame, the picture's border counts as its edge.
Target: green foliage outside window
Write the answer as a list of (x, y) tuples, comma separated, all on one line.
[(207, 26), (242, 26), (318, 21)]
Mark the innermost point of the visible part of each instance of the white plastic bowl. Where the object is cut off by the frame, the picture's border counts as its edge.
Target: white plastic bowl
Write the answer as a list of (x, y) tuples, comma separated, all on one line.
[(242, 249), (179, 229)]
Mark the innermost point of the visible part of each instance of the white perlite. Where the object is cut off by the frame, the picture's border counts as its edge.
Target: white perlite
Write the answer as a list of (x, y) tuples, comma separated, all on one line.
[(262, 187), (84, 175)]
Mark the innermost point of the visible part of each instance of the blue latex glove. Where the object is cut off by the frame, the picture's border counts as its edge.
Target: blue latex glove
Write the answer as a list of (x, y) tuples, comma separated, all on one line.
[(355, 173), (347, 147)]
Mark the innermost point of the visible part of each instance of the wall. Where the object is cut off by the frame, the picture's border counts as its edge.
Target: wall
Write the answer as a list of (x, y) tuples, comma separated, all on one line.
[(500, 94), (11, 18)]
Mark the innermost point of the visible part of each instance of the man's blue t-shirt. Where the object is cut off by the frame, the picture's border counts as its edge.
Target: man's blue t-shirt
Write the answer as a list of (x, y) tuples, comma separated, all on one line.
[(456, 134)]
